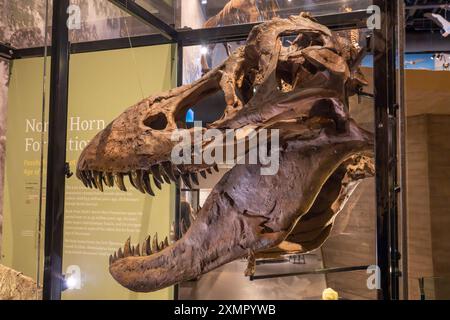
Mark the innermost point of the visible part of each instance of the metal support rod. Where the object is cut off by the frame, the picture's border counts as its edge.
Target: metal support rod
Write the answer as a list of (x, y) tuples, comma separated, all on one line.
[(148, 18), (339, 21), (303, 273), (178, 190), (57, 135), (428, 6), (386, 149), (394, 187), (402, 149)]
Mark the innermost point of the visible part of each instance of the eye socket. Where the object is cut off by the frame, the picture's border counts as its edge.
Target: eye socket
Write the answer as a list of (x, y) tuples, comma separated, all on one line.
[(156, 122)]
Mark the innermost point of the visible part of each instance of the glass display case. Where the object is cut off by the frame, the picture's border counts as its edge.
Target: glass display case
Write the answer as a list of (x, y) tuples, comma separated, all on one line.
[(76, 76)]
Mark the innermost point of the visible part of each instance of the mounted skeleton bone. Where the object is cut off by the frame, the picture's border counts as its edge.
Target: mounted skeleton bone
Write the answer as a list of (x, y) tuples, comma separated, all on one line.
[(301, 90)]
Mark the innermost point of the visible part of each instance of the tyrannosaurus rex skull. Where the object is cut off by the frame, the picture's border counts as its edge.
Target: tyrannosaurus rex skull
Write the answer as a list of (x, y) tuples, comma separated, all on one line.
[(300, 88)]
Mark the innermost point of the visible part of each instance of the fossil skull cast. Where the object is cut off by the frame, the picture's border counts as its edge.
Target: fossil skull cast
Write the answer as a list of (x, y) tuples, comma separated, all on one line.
[(300, 88)]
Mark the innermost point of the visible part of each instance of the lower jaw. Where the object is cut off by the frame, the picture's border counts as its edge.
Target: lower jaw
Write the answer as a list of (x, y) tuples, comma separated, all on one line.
[(235, 219)]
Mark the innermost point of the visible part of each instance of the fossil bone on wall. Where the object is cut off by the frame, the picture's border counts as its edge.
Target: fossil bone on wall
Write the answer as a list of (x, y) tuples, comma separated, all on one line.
[(4, 76)]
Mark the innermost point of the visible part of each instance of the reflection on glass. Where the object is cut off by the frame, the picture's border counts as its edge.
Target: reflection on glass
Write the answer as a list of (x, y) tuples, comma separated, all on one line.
[(162, 9), (22, 22), (215, 13)]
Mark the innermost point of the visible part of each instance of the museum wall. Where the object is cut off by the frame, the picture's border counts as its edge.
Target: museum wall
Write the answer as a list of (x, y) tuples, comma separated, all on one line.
[(428, 197), (353, 244), (439, 181), (101, 86)]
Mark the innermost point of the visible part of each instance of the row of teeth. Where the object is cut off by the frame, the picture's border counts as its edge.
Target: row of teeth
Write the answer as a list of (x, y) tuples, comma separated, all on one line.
[(148, 247), (140, 179)]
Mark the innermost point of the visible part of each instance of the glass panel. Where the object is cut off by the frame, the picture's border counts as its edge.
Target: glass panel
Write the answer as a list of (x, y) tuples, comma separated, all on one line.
[(215, 13), (24, 98), (22, 22), (102, 86), (353, 237), (102, 20), (427, 153), (163, 9)]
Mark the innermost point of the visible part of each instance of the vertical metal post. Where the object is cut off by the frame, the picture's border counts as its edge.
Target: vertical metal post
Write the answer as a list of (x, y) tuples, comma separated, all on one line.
[(57, 134), (386, 149), (402, 149), (178, 191)]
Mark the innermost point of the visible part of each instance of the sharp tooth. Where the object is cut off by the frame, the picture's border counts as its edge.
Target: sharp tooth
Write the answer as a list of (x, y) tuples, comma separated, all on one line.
[(85, 179), (119, 181), (166, 242), (203, 174), (119, 253), (157, 183), (127, 248), (179, 169), (131, 180), (147, 186), (165, 176), (161, 245), (109, 179), (94, 182), (148, 247), (185, 178), (194, 178), (115, 256), (215, 167), (156, 173), (137, 251), (90, 175), (98, 180), (136, 177), (155, 247), (146, 250), (104, 178), (88, 178), (209, 170), (110, 259), (168, 169)]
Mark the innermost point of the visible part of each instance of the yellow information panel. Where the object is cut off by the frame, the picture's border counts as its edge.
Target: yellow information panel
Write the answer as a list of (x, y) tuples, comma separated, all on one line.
[(102, 85)]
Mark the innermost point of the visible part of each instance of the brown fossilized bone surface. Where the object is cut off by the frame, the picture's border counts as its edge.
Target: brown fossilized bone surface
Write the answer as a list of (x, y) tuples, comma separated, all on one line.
[(301, 89), (15, 286)]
